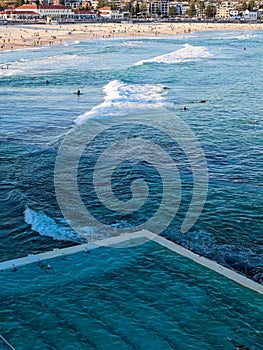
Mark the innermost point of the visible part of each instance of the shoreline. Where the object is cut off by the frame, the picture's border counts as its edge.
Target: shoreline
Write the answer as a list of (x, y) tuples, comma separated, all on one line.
[(39, 35)]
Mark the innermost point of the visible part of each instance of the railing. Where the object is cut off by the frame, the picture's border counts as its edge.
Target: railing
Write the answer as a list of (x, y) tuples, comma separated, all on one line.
[(7, 343)]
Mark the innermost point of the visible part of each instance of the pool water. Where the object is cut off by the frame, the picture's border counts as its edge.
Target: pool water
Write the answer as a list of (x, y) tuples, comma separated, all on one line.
[(144, 297)]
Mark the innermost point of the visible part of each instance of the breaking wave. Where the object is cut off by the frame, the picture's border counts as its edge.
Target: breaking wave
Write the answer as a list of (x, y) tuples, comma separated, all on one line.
[(39, 66), (60, 231), (45, 226), (122, 98), (186, 54)]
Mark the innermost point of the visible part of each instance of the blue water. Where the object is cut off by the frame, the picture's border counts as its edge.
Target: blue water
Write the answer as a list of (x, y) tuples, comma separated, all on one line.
[(138, 298), (118, 77)]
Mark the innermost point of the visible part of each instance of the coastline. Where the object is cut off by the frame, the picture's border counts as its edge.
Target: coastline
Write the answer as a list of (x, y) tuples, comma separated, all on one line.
[(38, 35), (86, 31)]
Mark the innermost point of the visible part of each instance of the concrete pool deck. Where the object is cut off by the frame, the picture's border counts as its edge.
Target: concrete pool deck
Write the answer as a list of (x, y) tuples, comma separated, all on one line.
[(134, 239)]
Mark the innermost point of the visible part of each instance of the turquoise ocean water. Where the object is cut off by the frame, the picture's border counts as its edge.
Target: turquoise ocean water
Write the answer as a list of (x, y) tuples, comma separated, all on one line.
[(142, 297)]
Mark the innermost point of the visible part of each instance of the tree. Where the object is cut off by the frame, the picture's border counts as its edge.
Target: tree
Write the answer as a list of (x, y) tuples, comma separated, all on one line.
[(172, 11), (20, 2), (102, 3), (88, 6), (251, 5), (201, 5), (244, 6), (2, 5), (137, 9), (144, 8), (201, 10), (210, 11), (191, 11), (113, 5), (131, 9)]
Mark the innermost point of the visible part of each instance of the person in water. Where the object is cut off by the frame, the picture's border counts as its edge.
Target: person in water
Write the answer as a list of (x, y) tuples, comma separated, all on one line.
[(78, 92)]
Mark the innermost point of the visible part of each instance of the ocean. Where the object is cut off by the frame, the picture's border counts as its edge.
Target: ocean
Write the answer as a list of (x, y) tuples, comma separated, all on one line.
[(166, 135)]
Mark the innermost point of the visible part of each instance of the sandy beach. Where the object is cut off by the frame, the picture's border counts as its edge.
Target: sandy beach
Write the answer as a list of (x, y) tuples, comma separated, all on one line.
[(25, 36)]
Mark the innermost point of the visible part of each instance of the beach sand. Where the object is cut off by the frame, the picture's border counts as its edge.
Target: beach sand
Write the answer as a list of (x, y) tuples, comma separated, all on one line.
[(24, 36)]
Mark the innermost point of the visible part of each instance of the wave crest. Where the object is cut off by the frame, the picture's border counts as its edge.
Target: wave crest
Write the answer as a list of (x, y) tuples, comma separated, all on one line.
[(48, 227), (122, 98), (187, 53)]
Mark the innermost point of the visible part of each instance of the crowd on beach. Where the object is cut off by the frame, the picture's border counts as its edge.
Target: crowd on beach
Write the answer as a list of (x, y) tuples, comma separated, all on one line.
[(18, 37)]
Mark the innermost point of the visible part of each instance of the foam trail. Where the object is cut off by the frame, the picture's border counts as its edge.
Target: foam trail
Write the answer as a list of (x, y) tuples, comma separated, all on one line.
[(244, 36), (59, 231), (122, 98), (46, 226), (186, 54), (40, 66)]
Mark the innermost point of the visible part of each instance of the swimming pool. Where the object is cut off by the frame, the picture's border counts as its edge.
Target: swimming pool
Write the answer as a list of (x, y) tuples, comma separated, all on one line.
[(137, 298)]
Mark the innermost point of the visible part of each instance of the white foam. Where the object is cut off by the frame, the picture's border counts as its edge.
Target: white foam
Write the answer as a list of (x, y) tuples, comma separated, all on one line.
[(245, 36), (133, 43), (40, 66), (45, 226), (122, 98), (185, 54)]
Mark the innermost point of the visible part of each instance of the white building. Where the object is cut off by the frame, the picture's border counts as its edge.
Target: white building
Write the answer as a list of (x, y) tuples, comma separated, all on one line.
[(234, 13), (44, 11), (106, 12), (55, 11), (250, 15), (14, 14), (260, 13)]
